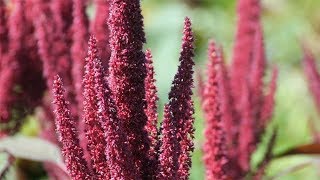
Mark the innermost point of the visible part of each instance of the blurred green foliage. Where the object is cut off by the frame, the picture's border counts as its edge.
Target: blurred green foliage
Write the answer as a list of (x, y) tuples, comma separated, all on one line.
[(286, 24)]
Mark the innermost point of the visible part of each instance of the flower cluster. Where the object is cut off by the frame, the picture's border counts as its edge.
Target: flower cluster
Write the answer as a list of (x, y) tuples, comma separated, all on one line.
[(120, 109), (236, 109), (35, 46), (19, 65), (40, 39), (104, 108)]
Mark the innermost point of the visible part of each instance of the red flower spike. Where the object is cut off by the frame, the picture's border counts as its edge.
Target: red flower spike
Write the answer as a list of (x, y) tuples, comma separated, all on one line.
[(99, 28), (180, 102), (45, 35), (215, 145), (269, 100), (228, 113), (66, 128), (312, 74), (80, 37), (53, 49), (127, 73), (151, 111), (241, 98), (248, 18), (246, 137), (118, 157), (93, 130), (168, 155), (10, 75), (23, 70), (62, 16), (257, 72)]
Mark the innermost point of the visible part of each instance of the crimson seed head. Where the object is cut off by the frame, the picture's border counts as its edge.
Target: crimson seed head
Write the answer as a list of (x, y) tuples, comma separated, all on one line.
[(118, 157), (99, 28), (168, 158), (248, 11), (258, 67), (151, 111), (66, 128), (312, 74), (127, 73), (244, 109), (93, 129), (215, 145), (180, 104), (79, 45), (116, 134), (21, 80)]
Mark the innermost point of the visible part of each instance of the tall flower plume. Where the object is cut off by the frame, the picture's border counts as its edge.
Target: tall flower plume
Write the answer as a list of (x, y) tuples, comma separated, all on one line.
[(19, 56), (93, 129), (168, 158), (245, 109), (116, 110), (248, 18), (80, 38), (127, 73), (313, 78), (116, 149), (180, 104), (151, 110), (215, 145), (66, 127), (312, 74), (99, 28)]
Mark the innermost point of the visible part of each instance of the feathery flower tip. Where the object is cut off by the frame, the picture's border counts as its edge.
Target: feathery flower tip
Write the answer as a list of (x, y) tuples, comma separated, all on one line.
[(127, 74), (93, 129), (65, 125), (180, 102), (151, 112), (215, 152)]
